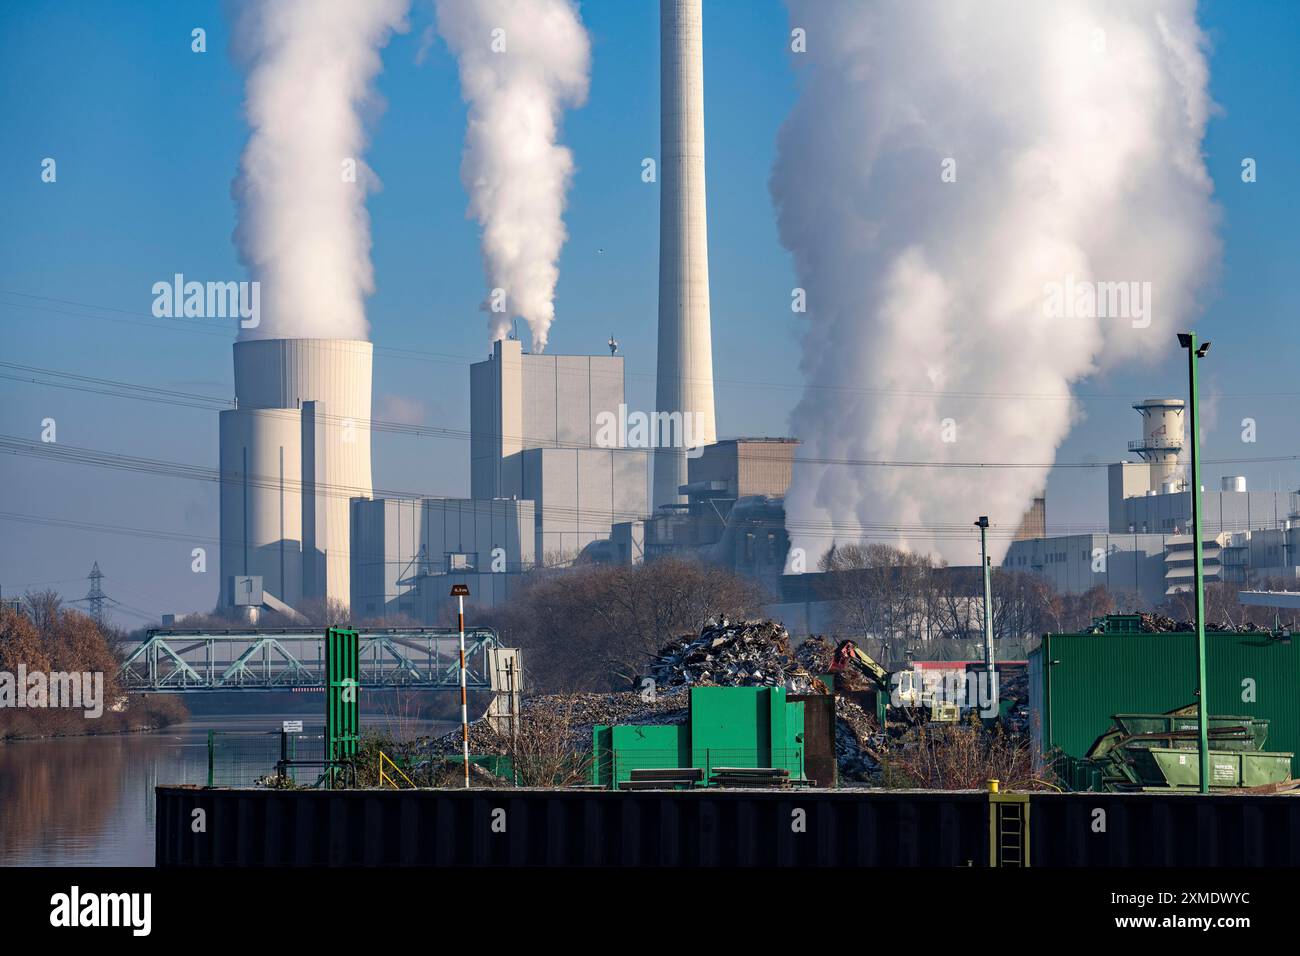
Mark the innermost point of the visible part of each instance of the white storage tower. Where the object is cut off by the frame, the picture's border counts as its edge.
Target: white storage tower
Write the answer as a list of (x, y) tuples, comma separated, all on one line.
[(294, 452)]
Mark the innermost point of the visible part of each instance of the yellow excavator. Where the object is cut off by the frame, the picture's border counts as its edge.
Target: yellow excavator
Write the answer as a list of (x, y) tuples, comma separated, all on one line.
[(909, 701)]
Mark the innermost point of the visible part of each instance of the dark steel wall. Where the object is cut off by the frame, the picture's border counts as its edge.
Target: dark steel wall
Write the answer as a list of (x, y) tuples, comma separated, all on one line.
[(712, 828), (1156, 829), (569, 828)]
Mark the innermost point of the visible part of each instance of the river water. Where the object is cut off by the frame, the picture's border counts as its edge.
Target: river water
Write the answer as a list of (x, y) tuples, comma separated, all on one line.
[(88, 801)]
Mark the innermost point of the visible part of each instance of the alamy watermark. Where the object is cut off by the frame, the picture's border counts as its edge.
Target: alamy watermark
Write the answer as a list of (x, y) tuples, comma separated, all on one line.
[(76, 908), (72, 690), (1084, 299), (624, 429), (968, 690), (208, 300)]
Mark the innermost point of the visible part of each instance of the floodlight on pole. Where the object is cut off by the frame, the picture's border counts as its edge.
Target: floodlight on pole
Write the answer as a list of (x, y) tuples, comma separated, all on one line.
[(460, 592), (1194, 352)]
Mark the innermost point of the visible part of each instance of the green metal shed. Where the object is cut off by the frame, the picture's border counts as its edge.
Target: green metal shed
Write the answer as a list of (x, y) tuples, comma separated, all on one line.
[(1078, 681)]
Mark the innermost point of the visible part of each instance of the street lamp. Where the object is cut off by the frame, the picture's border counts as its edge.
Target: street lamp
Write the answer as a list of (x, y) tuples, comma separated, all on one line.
[(983, 525), (1194, 352), (460, 592)]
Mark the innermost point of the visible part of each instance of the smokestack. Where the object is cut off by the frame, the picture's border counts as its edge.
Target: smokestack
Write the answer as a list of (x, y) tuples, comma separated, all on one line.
[(685, 364)]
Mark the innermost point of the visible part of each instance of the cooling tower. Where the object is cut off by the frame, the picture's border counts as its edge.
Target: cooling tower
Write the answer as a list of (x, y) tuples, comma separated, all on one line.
[(293, 453), (685, 364)]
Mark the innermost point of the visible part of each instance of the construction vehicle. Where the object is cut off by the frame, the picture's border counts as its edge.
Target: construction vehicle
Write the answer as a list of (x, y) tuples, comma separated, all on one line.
[(899, 692)]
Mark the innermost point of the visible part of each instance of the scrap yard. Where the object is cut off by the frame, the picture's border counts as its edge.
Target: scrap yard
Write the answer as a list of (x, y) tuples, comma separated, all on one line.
[(735, 729)]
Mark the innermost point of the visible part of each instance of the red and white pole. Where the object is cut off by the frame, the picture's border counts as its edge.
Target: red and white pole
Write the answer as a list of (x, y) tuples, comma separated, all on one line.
[(464, 703)]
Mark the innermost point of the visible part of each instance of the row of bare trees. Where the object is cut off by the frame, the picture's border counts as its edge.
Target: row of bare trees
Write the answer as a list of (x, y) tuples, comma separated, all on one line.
[(904, 600), (595, 627), (44, 638)]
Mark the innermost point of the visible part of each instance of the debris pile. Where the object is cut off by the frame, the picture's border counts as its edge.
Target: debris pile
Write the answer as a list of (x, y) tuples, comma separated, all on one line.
[(725, 653), (580, 712), (858, 741), (1152, 623), (734, 654), (817, 654)]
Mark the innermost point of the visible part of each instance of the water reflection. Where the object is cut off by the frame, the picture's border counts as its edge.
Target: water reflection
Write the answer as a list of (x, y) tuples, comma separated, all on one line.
[(88, 801)]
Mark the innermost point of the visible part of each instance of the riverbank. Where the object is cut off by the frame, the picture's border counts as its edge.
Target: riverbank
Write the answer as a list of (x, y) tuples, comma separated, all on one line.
[(142, 715)]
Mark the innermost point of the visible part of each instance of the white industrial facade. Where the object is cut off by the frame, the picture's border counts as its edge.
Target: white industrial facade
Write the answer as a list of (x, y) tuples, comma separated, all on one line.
[(408, 552), (1248, 535), (293, 453), (536, 427), (1074, 563), (684, 373)]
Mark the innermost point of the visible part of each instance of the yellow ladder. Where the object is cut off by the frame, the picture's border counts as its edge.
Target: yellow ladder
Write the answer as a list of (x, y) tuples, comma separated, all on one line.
[(1008, 828)]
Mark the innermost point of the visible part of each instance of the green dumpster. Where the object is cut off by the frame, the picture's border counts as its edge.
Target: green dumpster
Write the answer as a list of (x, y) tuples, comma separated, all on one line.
[(1171, 767)]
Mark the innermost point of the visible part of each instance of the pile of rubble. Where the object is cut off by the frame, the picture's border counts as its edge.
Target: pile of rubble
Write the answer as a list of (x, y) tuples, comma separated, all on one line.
[(817, 654), (580, 712), (726, 653), (734, 654), (1161, 624), (858, 741), (757, 653)]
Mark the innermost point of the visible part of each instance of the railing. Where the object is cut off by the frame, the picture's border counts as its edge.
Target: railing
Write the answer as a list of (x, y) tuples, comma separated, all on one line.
[(386, 779), (189, 661), (1155, 444), (241, 758)]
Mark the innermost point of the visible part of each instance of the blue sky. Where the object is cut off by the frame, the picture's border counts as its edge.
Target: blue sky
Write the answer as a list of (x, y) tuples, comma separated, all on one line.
[(147, 136)]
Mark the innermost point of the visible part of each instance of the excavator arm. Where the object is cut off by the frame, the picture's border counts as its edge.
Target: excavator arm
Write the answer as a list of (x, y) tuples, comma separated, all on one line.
[(846, 653)]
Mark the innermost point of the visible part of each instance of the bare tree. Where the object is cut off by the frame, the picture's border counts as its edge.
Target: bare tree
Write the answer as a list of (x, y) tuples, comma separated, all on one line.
[(597, 626)]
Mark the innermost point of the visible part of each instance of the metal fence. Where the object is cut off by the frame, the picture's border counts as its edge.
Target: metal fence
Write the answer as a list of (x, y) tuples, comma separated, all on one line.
[(247, 758)]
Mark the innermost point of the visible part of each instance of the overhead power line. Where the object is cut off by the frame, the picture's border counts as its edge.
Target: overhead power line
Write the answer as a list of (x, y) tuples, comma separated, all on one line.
[(757, 453), (29, 300)]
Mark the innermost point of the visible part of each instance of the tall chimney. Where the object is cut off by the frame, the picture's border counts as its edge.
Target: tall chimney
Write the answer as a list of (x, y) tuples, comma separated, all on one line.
[(685, 365)]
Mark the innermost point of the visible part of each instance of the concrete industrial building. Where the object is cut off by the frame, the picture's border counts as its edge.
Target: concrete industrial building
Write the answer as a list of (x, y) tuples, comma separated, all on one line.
[(538, 424), (293, 453), (1248, 534), (1072, 564), (407, 553), (734, 515), (684, 373)]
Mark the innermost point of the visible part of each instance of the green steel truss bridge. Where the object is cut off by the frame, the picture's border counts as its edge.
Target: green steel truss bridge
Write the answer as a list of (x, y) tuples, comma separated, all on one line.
[(178, 661)]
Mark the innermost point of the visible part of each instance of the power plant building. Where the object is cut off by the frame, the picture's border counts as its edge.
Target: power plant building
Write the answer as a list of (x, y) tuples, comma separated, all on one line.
[(734, 515), (1249, 535), (545, 428), (293, 452), (407, 553)]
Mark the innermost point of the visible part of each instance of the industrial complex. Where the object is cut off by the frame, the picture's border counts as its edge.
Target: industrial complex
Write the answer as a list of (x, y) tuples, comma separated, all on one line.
[(637, 638)]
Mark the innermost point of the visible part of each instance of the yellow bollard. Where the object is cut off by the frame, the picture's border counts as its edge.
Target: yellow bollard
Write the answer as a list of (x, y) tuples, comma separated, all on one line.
[(993, 786)]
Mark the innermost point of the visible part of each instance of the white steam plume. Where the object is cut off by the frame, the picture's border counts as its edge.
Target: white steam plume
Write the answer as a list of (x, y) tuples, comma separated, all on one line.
[(303, 230), (521, 62), (1075, 128)]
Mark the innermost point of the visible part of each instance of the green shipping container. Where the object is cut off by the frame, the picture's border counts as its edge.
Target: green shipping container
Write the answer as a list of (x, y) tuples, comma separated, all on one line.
[(1077, 682)]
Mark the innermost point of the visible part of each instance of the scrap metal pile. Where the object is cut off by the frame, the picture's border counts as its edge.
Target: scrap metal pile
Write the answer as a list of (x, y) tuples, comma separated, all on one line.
[(734, 654), (1160, 624), (579, 713), (725, 653)]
